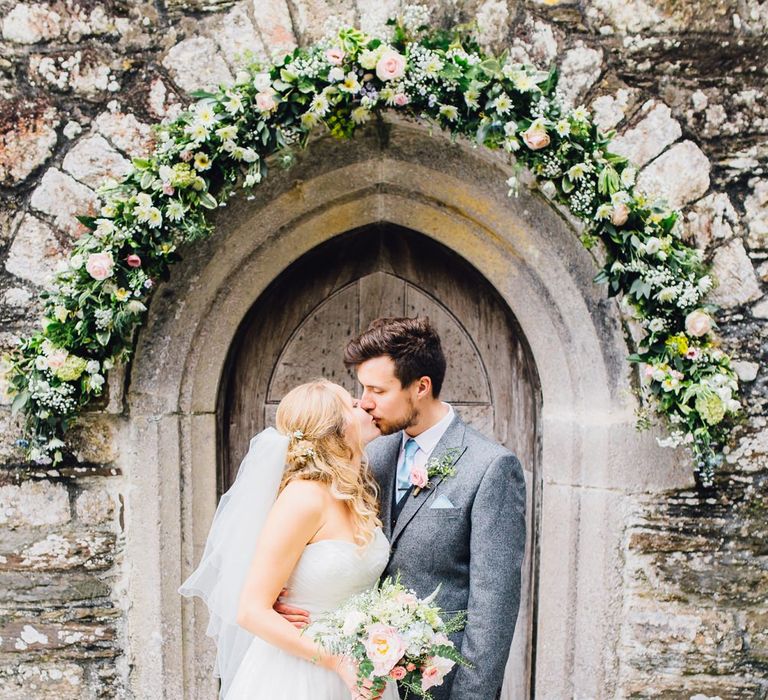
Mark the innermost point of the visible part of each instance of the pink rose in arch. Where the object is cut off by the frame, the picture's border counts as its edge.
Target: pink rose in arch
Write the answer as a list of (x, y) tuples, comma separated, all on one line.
[(391, 66), (419, 477), (133, 260), (99, 265), (536, 138), (401, 99), (335, 55), (265, 101)]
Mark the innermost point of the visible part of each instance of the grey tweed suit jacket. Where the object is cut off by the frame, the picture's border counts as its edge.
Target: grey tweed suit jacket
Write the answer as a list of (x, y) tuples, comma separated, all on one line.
[(475, 549)]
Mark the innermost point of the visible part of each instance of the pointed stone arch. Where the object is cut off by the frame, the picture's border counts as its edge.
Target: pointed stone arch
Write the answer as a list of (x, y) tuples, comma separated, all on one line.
[(591, 459)]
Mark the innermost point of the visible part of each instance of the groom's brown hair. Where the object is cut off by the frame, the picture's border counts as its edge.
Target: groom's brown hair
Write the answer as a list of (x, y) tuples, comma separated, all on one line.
[(412, 343)]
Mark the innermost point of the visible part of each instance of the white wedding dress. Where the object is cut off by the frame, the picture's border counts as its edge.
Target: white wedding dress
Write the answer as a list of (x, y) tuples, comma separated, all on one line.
[(327, 573)]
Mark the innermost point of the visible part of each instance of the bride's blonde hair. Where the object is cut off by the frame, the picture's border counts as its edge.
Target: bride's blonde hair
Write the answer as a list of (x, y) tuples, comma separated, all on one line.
[(315, 418)]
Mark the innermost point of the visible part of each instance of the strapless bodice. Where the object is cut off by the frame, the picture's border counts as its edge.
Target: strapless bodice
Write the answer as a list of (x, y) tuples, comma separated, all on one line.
[(331, 571)]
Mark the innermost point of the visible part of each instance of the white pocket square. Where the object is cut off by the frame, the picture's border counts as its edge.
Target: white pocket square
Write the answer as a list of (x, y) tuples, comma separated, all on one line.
[(442, 501)]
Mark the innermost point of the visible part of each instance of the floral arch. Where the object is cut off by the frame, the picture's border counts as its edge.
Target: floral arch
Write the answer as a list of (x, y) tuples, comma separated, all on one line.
[(228, 140)]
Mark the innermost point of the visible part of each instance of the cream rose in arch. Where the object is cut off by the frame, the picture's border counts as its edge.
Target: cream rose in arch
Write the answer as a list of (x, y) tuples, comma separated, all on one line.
[(620, 214), (390, 66), (536, 137), (698, 323), (100, 265)]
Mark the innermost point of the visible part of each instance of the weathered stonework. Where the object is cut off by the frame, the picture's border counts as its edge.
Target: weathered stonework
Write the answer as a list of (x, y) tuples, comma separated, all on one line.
[(736, 275), (62, 198), (26, 142), (650, 137), (681, 175), (684, 84), (36, 252), (93, 160)]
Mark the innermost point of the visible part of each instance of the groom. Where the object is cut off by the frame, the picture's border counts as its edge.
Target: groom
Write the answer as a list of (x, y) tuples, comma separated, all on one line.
[(466, 529)]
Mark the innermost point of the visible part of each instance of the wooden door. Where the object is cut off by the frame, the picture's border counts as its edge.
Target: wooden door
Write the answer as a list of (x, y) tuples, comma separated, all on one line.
[(297, 330)]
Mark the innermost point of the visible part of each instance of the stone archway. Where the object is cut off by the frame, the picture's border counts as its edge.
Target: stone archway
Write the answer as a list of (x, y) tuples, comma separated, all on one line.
[(591, 456)]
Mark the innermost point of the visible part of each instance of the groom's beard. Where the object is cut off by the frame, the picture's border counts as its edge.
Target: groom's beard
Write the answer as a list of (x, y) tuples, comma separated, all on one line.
[(389, 427)]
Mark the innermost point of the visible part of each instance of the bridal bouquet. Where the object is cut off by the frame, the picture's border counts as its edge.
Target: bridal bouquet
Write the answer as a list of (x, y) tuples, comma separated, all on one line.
[(391, 634)]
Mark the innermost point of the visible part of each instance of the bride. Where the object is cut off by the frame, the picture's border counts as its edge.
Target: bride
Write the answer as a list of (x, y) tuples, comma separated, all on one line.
[(301, 515)]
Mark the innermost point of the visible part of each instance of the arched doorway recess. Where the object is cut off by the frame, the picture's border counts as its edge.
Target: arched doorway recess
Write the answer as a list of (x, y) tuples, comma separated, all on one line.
[(299, 325)]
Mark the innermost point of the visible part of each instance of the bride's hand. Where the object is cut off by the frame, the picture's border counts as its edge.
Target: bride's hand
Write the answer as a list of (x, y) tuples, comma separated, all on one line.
[(347, 669)]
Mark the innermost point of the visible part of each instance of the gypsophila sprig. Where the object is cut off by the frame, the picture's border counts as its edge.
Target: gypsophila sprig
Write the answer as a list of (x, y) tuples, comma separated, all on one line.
[(392, 635), (229, 138)]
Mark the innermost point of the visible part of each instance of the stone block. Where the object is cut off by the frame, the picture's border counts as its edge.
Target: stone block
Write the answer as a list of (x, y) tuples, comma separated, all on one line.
[(237, 37), (35, 252), (126, 132), (746, 371), (760, 310), (34, 504), (92, 160), (756, 214), (62, 197), (38, 635), (680, 175), (196, 64), (44, 680), (275, 25), (197, 5), (36, 589), (375, 13), (92, 439), (94, 506), (493, 23), (579, 70), (710, 218), (29, 23), (649, 137), (62, 552), (609, 110), (311, 17), (10, 431), (757, 635), (735, 275), (27, 140)]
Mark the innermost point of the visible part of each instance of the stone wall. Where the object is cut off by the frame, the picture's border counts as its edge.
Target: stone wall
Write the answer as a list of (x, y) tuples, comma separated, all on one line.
[(683, 82)]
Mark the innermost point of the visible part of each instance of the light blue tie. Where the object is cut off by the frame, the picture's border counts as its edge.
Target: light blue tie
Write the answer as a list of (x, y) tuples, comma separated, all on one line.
[(404, 472)]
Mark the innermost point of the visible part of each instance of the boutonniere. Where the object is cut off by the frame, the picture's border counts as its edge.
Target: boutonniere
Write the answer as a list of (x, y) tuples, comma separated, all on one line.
[(442, 466)]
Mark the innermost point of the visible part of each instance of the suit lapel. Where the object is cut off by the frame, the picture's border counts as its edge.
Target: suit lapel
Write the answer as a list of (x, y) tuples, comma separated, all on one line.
[(386, 469), (453, 437)]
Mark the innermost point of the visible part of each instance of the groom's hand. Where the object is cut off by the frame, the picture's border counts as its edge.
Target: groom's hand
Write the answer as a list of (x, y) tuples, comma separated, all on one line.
[(296, 616)]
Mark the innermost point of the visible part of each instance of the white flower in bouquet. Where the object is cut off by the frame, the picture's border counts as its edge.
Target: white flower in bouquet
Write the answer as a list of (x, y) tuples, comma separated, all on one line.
[(352, 622)]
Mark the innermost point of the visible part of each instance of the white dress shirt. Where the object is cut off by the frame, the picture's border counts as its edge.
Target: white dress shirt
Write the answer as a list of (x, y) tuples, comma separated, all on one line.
[(427, 441)]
